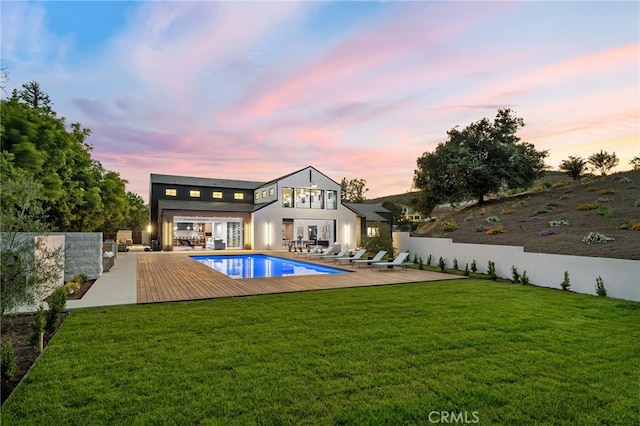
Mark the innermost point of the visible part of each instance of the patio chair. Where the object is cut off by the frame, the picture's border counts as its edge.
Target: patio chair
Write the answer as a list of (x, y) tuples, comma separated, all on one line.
[(330, 250), (377, 258), (314, 249), (356, 256), (398, 261), (185, 242), (341, 253)]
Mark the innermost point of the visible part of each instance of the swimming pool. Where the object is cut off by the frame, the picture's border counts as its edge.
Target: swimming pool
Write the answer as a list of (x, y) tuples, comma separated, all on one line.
[(262, 266)]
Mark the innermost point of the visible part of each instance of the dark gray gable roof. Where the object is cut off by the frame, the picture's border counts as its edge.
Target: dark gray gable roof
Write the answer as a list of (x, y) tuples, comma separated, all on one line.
[(298, 171), (368, 211), (208, 182)]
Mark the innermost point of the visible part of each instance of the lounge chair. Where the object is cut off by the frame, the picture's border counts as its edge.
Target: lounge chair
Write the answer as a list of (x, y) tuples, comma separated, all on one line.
[(330, 250), (314, 249), (356, 256), (377, 258), (185, 242), (341, 253), (398, 261)]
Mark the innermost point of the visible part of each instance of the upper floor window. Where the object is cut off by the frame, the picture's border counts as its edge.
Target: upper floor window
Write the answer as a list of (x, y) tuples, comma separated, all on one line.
[(194, 193), (216, 194), (264, 194), (257, 195), (287, 197), (316, 198), (270, 191), (332, 200), (171, 192), (303, 198), (238, 196)]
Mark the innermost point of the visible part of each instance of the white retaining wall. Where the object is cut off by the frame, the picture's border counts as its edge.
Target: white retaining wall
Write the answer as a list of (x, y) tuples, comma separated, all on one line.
[(621, 277)]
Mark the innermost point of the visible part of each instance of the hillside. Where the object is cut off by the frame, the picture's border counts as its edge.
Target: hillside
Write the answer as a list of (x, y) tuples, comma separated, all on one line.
[(523, 220)]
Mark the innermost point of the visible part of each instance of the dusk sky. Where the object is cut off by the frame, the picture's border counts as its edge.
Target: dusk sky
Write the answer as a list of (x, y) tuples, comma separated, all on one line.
[(256, 90)]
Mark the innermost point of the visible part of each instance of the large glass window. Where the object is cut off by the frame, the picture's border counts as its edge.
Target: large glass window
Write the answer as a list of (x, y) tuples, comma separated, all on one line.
[(332, 200), (303, 198), (316, 197), (287, 197)]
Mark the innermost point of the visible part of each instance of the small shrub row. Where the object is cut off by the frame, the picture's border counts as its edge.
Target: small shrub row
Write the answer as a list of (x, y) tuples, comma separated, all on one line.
[(496, 230), (508, 211), (449, 226), (633, 225), (607, 191), (588, 206), (559, 184)]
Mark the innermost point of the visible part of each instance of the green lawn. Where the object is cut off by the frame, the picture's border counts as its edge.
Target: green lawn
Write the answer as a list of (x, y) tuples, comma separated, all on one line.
[(507, 354)]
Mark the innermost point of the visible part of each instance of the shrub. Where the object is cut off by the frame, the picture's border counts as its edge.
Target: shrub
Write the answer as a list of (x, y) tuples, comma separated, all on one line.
[(470, 217), (537, 188), (415, 258), (80, 278), (481, 228), (420, 264), (497, 230), (455, 264), (592, 188), (515, 275), (596, 237), (524, 278), (606, 211), (493, 219), (602, 200), (57, 303), (586, 180), (607, 191), (546, 233), (466, 270), (8, 365), (474, 267), (558, 222), (508, 211), (600, 289), (429, 260), (37, 326), (442, 264), (625, 180), (449, 226), (636, 202), (72, 286), (538, 219), (633, 225), (558, 184), (588, 206), (566, 283), (491, 270)]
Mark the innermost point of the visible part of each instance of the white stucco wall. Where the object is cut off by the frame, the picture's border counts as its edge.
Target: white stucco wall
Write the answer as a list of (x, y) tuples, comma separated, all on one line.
[(621, 277)]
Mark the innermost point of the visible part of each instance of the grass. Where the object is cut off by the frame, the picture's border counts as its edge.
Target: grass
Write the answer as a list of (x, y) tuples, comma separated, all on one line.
[(381, 355)]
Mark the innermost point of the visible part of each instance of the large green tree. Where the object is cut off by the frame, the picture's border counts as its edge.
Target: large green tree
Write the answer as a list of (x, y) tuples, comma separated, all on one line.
[(78, 194), (573, 166), (480, 159)]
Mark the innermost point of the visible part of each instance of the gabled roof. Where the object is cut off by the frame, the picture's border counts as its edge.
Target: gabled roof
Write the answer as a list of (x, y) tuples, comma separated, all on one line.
[(297, 171), (369, 211), (209, 182)]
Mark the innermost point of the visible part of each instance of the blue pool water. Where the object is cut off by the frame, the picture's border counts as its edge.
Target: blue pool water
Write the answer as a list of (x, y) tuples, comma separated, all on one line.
[(262, 266)]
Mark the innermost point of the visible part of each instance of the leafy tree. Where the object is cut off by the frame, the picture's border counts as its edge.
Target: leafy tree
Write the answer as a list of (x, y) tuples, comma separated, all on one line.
[(635, 163), (382, 240), (33, 96), (138, 216), (603, 161), (573, 166), (352, 190), (480, 159), (24, 277)]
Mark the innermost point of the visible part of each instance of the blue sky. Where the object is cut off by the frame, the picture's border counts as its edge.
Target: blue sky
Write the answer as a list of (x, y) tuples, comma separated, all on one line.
[(255, 90)]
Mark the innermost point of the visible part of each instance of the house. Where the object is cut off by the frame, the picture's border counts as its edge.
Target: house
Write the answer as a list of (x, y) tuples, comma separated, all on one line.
[(303, 207)]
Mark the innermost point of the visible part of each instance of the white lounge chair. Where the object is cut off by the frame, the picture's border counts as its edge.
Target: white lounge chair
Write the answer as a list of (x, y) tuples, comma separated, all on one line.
[(377, 258), (341, 253), (356, 256), (330, 250), (314, 249), (398, 261)]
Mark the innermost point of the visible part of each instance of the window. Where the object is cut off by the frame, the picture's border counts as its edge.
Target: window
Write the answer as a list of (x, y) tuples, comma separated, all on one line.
[(238, 196), (270, 191), (287, 197), (264, 194), (302, 198), (216, 194), (332, 200), (195, 194), (171, 192), (317, 198), (373, 231), (257, 195)]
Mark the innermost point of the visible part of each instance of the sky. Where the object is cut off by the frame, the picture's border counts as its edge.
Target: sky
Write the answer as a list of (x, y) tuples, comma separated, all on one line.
[(257, 90)]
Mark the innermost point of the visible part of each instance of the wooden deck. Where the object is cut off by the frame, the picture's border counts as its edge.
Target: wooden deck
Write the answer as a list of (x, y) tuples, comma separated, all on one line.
[(165, 277)]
